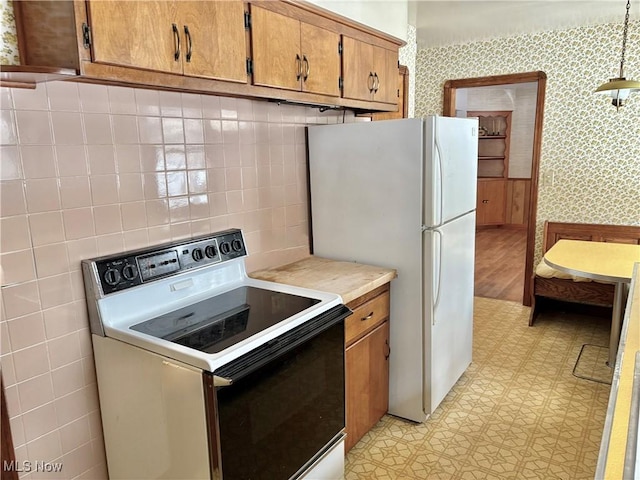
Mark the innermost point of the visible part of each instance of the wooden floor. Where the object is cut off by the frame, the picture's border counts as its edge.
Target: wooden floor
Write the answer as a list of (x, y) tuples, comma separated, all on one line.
[(500, 258)]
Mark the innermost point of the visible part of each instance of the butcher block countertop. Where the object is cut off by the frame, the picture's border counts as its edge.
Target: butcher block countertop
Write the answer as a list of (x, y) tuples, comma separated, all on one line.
[(347, 279)]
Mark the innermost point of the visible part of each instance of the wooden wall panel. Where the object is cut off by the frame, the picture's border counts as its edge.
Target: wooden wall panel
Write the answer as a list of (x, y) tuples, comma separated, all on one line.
[(518, 196)]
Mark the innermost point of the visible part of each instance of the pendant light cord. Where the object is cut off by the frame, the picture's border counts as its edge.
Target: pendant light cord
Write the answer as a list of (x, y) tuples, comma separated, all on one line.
[(624, 38)]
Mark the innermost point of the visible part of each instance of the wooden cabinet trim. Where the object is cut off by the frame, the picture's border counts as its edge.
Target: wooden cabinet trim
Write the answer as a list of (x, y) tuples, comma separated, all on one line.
[(115, 75), (355, 303)]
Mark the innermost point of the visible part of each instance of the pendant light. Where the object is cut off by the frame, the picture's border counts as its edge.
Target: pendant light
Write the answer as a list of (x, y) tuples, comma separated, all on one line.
[(620, 88)]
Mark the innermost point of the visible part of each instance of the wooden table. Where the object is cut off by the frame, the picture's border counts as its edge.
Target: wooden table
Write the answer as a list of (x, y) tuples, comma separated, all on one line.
[(609, 262)]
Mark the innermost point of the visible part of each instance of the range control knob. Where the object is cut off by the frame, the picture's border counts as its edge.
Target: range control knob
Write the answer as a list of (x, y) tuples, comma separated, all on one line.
[(225, 248), (111, 276), (237, 245), (210, 251), (130, 272), (197, 254)]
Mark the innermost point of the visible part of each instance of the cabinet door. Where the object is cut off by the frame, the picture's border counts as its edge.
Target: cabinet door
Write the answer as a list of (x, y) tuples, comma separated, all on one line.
[(357, 69), (402, 99), (492, 202), (385, 67), (216, 39), (275, 40), (367, 383), (321, 60), (135, 34)]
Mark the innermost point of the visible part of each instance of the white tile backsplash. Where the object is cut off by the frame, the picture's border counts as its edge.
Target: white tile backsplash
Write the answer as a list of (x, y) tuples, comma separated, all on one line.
[(90, 170)]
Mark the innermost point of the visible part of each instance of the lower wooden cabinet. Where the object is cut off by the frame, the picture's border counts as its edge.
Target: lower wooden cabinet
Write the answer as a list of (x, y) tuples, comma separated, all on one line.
[(491, 202), (367, 363)]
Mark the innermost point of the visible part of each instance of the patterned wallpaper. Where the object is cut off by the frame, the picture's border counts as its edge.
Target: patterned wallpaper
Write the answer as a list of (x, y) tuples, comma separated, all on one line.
[(407, 56), (591, 152), (9, 50)]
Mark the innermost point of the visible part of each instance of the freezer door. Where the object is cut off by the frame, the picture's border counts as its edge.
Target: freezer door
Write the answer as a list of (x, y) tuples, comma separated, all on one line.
[(448, 279), (451, 166)]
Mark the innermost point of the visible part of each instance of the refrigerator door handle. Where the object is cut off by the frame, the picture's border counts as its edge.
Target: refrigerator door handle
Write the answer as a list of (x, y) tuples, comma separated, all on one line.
[(437, 260)]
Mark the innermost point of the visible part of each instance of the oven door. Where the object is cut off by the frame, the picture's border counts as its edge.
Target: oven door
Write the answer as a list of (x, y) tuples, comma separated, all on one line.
[(284, 402)]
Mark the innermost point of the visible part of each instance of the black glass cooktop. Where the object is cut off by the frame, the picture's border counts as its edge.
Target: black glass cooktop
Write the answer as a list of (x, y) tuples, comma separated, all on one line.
[(224, 320)]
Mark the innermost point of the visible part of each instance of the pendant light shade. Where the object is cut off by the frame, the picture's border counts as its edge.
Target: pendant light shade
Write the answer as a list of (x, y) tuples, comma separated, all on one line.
[(620, 88)]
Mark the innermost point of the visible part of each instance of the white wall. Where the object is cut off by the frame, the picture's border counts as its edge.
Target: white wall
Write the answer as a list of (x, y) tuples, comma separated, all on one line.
[(389, 16), (520, 98)]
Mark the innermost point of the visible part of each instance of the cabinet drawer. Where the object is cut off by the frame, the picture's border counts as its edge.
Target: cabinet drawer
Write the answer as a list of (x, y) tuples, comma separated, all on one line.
[(366, 317)]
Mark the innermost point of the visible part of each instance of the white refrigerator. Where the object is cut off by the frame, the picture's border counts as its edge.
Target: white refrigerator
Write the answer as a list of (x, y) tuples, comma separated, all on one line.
[(402, 194)]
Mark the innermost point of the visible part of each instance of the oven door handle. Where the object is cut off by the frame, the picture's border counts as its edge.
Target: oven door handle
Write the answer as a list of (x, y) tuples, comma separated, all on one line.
[(221, 381), (273, 349)]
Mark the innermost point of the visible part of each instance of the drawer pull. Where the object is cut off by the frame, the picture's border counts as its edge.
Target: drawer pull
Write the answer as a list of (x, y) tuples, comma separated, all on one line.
[(388, 354), (368, 317)]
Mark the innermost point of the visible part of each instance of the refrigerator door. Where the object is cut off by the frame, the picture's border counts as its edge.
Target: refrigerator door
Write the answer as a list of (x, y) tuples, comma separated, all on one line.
[(448, 280), (451, 167)]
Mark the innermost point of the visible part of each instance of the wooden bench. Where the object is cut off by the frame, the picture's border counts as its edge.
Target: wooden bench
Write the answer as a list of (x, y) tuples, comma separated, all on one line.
[(566, 290)]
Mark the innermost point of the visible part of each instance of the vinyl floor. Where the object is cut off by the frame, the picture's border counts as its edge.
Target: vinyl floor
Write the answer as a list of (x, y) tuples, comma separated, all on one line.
[(516, 413)]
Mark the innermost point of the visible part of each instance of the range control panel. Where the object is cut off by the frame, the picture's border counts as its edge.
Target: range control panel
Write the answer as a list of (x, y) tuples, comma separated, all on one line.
[(129, 269)]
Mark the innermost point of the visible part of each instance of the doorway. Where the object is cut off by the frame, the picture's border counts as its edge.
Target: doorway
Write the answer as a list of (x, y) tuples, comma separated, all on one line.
[(453, 90)]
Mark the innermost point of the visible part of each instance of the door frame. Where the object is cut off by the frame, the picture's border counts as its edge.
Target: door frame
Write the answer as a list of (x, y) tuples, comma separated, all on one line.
[(449, 110)]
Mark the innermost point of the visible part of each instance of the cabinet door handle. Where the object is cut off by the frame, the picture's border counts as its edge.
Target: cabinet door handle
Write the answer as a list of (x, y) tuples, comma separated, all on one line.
[(485, 201), (371, 81), (376, 83), (306, 67), (368, 317), (298, 67), (187, 33), (176, 42), (388, 354)]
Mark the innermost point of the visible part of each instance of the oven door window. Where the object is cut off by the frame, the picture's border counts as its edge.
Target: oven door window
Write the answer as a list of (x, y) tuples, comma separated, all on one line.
[(275, 419)]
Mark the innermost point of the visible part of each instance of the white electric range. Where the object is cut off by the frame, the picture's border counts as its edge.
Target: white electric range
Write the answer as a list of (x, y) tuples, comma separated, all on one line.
[(204, 372)]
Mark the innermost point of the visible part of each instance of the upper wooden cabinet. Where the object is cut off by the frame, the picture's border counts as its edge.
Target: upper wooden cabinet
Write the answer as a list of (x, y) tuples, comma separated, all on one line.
[(135, 34), (291, 54), (284, 50), (202, 39), (370, 72), (403, 98)]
